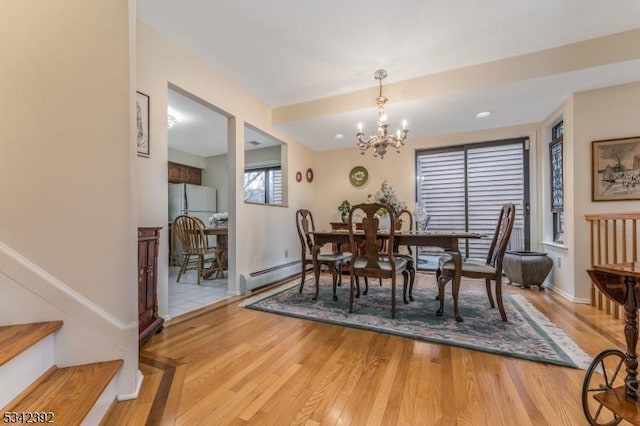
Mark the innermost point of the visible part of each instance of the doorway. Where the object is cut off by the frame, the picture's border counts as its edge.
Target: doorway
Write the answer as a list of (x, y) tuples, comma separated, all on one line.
[(197, 139)]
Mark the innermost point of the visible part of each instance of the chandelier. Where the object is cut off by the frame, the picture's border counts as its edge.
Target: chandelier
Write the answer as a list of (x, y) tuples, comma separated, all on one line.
[(381, 140)]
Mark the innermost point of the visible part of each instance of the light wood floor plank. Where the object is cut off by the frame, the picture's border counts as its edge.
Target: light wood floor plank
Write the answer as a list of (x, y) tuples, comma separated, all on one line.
[(235, 366)]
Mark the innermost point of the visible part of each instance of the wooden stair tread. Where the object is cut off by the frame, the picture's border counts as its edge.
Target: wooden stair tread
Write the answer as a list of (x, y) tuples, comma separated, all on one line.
[(68, 392), (14, 339)]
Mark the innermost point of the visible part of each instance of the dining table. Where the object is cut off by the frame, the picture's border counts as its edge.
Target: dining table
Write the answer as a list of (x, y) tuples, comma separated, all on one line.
[(219, 264), (445, 239)]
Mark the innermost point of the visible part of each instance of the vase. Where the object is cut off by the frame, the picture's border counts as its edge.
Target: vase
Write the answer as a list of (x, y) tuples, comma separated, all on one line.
[(527, 267)]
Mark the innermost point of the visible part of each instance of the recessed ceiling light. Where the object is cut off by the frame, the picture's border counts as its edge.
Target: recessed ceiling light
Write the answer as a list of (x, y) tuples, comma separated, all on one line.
[(339, 136), (483, 114)]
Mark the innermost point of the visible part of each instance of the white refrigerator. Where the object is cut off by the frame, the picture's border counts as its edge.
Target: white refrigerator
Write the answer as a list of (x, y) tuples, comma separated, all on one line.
[(194, 200)]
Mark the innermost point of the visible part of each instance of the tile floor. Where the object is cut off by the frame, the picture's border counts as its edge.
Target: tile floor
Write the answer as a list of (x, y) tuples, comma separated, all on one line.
[(187, 295)]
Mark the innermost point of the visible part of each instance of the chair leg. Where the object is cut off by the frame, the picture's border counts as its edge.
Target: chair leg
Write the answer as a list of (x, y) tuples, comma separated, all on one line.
[(334, 273), (339, 267), (442, 282), (358, 285), (304, 274), (487, 283), (393, 297), (366, 286), (200, 262), (183, 268), (380, 279), (405, 280), (412, 279), (499, 298), (352, 283)]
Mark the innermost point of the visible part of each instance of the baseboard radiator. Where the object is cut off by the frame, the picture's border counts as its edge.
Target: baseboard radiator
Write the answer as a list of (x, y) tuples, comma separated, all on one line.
[(614, 239), (269, 276)]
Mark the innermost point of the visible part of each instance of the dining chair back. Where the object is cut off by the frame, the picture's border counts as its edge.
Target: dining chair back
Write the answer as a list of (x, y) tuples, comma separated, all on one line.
[(333, 261), (190, 231), (491, 269), (371, 262)]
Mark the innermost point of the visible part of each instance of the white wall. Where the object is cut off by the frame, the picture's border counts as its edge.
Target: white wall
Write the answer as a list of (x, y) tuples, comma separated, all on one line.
[(262, 157), (254, 229), (216, 175), (66, 164), (186, 158)]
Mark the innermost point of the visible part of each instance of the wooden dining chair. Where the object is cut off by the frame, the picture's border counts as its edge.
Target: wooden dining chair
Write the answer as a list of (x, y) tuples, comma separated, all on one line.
[(190, 231), (371, 262), (489, 269), (406, 217), (333, 261)]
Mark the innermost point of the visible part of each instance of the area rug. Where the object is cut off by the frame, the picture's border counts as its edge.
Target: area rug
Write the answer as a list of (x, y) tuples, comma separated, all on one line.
[(528, 334)]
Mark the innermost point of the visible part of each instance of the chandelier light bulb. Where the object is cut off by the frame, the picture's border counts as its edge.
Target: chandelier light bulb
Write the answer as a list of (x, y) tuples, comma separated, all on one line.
[(360, 126), (404, 124)]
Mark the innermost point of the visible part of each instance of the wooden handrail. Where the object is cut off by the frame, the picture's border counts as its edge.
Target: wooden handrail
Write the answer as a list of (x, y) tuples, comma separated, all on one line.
[(612, 241)]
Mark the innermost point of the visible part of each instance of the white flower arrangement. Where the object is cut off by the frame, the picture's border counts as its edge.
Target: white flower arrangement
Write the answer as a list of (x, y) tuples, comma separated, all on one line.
[(387, 195), (219, 219)]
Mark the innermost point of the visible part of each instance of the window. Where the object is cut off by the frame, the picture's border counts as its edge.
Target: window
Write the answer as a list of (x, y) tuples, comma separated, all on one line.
[(263, 185), (557, 183), (463, 188)]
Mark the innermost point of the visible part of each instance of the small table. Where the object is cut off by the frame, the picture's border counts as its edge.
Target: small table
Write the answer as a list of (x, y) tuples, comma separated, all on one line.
[(221, 235), (620, 283), (447, 240)]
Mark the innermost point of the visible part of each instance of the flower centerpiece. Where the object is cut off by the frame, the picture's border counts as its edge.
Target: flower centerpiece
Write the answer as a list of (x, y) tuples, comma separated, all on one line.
[(387, 195), (219, 220), (344, 208)]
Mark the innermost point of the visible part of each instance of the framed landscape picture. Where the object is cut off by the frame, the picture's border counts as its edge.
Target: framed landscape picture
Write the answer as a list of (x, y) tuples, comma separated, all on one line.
[(142, 121), (616, 169)]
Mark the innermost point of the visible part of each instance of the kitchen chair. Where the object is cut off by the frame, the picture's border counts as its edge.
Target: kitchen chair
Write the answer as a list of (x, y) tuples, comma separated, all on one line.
[(491, 267), (373, 263), (333, 261), (190, 230)]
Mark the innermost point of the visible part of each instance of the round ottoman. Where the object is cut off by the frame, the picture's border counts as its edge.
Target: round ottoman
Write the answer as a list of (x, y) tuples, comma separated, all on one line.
[(527, 267)]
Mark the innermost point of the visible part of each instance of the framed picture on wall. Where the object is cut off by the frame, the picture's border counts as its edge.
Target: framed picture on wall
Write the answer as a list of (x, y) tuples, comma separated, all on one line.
[(615, 171), (142, 124)]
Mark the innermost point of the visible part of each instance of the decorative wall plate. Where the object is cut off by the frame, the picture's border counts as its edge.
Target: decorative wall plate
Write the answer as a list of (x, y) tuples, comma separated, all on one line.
[(309, 175), (299, 177), (358, 176)]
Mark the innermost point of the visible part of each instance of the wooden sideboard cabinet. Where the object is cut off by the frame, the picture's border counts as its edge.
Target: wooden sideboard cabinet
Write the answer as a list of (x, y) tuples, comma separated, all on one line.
[(179, 173), (148, 319)]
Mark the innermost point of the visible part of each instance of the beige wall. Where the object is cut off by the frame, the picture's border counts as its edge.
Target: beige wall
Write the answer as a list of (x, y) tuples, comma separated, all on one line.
[(607, 113), (332, 171), (255, 230), (66, 164)]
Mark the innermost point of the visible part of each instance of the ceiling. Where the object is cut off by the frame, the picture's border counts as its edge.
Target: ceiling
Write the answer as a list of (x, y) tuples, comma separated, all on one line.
[(201, 130), (287, 52)]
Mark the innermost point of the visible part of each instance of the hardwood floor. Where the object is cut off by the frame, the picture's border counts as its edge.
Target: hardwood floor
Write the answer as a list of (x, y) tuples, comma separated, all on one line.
[(237, 366)]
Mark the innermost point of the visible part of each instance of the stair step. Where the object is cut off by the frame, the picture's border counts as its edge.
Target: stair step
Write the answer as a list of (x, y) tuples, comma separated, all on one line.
[(15, 339), (69, 393)]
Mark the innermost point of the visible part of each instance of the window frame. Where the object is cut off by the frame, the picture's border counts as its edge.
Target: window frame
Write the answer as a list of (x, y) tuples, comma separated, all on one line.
[(267, 178)]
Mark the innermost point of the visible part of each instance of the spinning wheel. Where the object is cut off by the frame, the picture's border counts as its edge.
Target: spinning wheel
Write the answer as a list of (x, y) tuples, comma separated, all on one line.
[(605, 373), (610, 389)]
